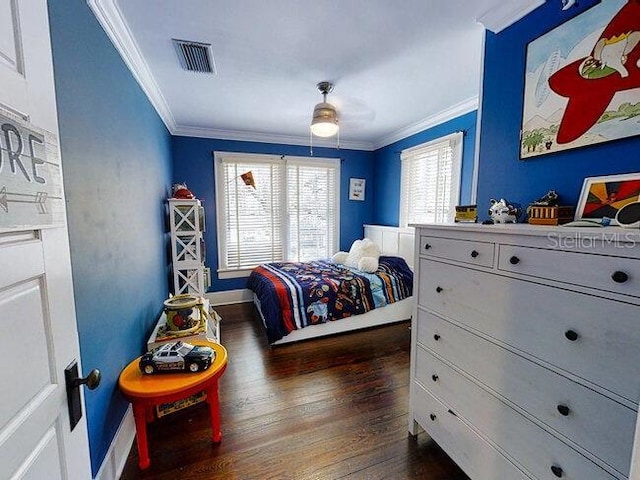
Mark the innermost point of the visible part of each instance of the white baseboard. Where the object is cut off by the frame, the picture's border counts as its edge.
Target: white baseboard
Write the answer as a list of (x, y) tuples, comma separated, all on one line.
[(116, 457), (230, 296)]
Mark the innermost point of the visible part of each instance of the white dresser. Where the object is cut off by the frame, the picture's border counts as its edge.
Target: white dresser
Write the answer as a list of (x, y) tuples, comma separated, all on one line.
[(525, 354)]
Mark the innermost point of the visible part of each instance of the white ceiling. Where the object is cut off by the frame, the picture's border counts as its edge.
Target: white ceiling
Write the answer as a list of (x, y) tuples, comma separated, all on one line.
[(398, 66)]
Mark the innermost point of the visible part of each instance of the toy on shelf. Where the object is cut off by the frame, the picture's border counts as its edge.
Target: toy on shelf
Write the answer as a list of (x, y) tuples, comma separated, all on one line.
[(180, 190), (203, 324), (546, 211), (177, 357), (180, 312), (466, 213), (503, 212)]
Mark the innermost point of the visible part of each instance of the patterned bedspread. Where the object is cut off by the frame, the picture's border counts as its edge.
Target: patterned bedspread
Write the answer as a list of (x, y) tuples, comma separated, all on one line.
[(295, 295)]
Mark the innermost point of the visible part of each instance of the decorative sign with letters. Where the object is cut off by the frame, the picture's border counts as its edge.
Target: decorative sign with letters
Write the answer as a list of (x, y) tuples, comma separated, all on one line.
[(30, 175)]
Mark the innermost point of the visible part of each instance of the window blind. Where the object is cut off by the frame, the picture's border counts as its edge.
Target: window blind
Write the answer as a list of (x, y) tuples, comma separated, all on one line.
[(289, 214), (312, 210), (253, 216), (430, 181)]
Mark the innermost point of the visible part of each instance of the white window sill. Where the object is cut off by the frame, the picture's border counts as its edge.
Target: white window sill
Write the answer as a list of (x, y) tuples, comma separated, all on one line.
[(225, 274)]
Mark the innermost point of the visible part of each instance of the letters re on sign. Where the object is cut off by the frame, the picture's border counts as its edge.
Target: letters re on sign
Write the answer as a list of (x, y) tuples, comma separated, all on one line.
[(30, 175)]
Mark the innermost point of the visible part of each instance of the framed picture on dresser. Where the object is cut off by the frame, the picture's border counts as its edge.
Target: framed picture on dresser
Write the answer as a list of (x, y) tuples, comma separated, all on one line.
[(604, 196)]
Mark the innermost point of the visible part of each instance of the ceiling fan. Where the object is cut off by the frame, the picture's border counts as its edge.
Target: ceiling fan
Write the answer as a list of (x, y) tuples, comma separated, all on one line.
[(325, 116), (329, 117)]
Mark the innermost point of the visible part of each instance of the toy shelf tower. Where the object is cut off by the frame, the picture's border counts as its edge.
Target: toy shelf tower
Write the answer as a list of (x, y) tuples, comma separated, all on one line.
[(187, 247)]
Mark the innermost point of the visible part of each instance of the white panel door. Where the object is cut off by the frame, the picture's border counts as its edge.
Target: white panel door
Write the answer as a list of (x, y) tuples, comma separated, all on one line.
[(37, 316)]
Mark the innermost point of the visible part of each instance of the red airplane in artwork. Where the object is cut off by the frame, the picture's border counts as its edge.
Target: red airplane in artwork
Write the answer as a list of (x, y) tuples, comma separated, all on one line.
[(590, 83)]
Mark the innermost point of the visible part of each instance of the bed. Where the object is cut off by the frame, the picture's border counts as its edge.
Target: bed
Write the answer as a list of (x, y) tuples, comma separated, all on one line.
[(298, 301)]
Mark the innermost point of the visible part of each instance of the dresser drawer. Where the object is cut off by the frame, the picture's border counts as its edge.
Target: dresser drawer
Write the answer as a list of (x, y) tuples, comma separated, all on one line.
[(472, 453), (535, 448), (594, 338), (593, 421), (608, 273), (467, 251)]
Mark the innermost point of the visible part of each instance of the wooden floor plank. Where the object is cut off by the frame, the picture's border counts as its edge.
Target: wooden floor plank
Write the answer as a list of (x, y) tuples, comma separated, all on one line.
[(330, 408)]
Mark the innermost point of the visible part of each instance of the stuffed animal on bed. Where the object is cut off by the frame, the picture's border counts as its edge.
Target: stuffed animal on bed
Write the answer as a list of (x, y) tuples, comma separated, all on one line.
[(363, 255)]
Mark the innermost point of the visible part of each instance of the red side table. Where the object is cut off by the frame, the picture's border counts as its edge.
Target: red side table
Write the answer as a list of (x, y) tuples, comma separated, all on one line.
[(146, 391)]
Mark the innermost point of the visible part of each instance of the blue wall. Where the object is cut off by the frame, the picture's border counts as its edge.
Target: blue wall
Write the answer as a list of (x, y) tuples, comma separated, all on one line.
[(193, 164), (501, 173), (116, 157), (386, 191)]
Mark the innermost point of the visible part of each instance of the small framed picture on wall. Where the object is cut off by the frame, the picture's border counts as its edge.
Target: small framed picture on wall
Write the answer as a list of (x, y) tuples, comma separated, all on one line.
[(356, 189)]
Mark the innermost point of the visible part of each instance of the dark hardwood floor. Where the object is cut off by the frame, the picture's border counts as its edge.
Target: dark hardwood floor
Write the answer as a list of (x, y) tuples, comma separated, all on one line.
[(331, 408)]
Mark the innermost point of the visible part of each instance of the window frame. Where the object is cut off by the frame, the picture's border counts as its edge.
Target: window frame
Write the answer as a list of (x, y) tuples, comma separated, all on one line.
[(455, 141), (224, 271)]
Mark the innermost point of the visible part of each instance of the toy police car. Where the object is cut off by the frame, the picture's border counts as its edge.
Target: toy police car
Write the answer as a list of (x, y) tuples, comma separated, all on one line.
[(177, 356)]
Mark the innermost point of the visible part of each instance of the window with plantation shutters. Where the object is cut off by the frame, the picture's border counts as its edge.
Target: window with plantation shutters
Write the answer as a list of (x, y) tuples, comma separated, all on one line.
[(312, 209), (430, 184), (272, 208)]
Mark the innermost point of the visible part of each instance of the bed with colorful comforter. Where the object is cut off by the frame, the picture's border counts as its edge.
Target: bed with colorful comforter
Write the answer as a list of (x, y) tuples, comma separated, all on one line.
[(292, 296)]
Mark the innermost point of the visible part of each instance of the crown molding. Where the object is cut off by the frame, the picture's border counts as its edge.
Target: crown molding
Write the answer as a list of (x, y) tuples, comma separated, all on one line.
[(507, 13), (110, 18), (112, 21), (242, 136), (450, 113)]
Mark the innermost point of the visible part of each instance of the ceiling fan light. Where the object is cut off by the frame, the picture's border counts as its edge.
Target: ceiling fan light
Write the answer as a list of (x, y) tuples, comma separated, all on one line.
[(325, 120)]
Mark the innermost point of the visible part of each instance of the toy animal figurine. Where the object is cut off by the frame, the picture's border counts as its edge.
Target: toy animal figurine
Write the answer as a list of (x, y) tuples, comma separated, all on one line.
[(503, 212), (550, 199)]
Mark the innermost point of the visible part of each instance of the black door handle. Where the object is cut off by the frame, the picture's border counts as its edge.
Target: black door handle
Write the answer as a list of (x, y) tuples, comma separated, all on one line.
[(73, 382)]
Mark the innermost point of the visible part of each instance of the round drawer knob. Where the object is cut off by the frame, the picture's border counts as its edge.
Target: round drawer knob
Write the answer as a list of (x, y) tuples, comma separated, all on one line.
[(432, 417), (571, 335), (564, 410), (474, 254), (436, 337), (427, 246), (619, 277), (434, 378), (557, 471), (439, 289), (514, 260)]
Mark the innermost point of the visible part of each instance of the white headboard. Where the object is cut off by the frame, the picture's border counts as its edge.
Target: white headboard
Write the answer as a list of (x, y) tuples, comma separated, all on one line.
[(393, 240)]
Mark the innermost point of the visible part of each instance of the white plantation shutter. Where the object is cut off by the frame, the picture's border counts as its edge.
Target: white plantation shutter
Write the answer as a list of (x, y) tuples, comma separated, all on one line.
[(430, 183), (253, 231), (290, 215), (312, 203)]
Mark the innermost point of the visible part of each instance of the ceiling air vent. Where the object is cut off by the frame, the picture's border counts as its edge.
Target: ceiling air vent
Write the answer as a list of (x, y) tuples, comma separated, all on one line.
[(195, 56)]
